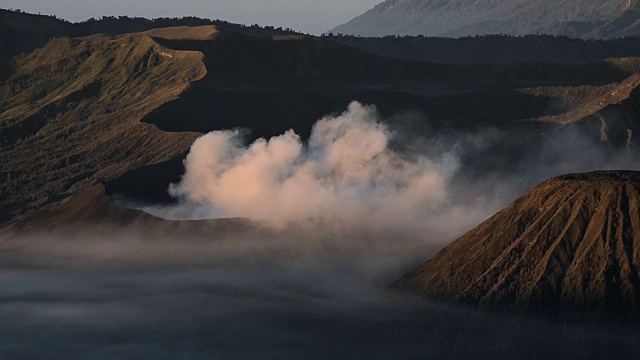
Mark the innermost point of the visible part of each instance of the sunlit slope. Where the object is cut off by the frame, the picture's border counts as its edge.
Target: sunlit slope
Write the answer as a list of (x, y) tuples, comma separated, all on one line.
[(202, 33), (571, 243), (70, 114), (610, 112)]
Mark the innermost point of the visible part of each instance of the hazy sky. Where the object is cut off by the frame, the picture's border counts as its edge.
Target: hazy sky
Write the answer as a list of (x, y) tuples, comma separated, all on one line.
[(304, 15)]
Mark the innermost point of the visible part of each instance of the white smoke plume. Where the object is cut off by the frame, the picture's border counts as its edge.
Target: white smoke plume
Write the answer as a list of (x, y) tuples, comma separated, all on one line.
[(346, 174)]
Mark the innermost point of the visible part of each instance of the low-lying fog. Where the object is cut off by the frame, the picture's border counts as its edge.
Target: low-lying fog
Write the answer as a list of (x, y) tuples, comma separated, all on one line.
[(340, 218), (130, 298)]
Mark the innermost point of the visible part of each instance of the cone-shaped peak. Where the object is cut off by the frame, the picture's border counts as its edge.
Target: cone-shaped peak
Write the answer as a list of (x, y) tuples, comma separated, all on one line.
[(571, 243)]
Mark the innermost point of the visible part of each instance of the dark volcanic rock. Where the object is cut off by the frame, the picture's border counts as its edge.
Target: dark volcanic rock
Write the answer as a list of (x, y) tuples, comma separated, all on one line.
[(570, 244)]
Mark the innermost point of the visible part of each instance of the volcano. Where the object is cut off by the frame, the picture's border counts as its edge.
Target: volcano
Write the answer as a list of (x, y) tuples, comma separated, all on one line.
[(460, 18), (569, 245)]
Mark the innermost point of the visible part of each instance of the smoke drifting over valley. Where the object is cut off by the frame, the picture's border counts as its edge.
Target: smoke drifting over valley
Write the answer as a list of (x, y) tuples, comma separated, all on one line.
[(359, 170), (347, 173)]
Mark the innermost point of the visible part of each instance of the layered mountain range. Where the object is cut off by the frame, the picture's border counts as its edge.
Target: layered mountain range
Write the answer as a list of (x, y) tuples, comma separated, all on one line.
[(122, 109)]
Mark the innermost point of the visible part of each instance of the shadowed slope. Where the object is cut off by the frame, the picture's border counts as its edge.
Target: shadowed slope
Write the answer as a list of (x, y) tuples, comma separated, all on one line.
[(495, 48), (293, 83), (92, 210), (573, 242)]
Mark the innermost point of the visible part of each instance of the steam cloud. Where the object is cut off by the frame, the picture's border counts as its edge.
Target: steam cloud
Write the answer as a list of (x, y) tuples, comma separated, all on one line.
[(347, 174), (356, 172)]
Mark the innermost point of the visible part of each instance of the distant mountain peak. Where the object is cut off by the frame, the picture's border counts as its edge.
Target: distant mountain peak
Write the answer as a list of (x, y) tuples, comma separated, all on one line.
[(458, 18)]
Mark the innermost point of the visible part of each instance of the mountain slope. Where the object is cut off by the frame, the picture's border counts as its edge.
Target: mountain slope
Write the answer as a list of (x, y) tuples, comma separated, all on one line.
[(583, 18), (571, 243), (93, 210), (69, 115)]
